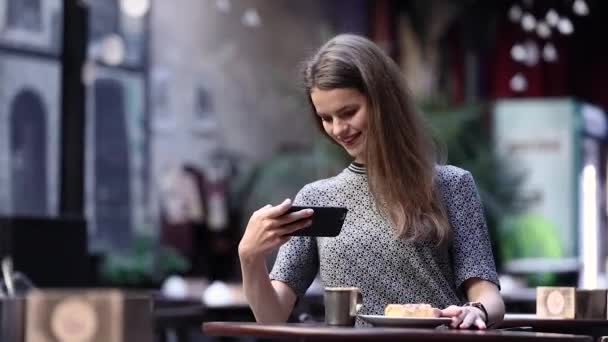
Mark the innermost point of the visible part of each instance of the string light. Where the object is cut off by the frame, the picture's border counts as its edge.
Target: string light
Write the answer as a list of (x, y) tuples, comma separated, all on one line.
[(528, 53), (532, 53), (552, 17), (518, 53), (515, 13), (528, 22), (565, 26), (549, 53), (518, 83), (580, 7), (543, 30)]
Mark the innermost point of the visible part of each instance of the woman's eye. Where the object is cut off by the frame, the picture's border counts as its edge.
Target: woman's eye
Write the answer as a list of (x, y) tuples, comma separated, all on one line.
[(326, 119), (349, 112)]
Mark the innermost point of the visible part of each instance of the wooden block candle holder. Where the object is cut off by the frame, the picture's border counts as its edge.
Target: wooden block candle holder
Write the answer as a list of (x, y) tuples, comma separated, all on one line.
[(88, 315), (571, 303)]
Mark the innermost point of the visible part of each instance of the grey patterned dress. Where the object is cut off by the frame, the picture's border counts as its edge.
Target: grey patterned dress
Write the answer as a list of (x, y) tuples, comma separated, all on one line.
[(367, 255)]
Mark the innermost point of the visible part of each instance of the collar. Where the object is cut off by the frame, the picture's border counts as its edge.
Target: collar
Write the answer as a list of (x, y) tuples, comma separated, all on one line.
[(357, 168)]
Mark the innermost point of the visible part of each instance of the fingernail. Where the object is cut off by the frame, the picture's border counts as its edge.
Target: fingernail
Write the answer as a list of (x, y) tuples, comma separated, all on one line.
[(310, 211), (287, 200)]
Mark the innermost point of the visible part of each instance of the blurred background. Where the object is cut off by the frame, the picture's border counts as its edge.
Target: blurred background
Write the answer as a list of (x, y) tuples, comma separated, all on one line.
[(137, 136)]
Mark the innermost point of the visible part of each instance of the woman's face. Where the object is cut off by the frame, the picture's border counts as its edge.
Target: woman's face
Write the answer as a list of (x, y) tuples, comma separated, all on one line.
[(343, 112)]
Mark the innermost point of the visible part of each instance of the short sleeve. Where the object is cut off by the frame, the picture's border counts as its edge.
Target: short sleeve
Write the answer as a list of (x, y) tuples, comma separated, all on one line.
[(297, 262), (471, 248)]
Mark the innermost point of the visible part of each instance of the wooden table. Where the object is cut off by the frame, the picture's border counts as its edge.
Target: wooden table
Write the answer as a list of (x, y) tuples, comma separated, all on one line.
[(309, 332), (598, 328), (174, 319)]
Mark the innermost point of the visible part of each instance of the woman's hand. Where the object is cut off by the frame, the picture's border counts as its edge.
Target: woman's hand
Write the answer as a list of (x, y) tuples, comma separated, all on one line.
[(268, 228), (464, 317)]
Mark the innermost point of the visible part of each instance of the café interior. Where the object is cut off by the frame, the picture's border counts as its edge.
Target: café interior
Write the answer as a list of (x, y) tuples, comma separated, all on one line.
[(137, 137)]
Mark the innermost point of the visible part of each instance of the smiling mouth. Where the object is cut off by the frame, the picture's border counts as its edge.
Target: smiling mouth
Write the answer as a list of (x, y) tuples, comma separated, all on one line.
[(349, 141)]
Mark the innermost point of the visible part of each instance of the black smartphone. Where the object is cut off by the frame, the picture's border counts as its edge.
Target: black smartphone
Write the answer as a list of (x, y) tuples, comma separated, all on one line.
[(326, 221)]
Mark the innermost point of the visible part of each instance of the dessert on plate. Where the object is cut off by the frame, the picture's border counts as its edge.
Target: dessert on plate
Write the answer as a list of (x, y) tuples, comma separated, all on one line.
[(411, 310)]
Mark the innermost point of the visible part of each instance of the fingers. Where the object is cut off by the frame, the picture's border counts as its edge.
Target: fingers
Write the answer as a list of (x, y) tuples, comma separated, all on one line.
[(278, 216), (456, 313), (469, 318), (290, 228), (266, 231), (463, 318), (451, 311), (457, 320), (283, 236), (295, 216), (279, 209), (479, 323)]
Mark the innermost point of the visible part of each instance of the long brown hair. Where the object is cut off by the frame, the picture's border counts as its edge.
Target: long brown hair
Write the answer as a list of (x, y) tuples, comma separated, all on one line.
[(401, 154)]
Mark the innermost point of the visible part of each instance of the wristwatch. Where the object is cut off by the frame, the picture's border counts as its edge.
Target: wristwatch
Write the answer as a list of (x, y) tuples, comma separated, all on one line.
[(480, 307)]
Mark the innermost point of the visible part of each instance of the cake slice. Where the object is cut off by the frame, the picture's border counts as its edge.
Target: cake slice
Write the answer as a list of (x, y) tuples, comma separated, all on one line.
[(411, 310)]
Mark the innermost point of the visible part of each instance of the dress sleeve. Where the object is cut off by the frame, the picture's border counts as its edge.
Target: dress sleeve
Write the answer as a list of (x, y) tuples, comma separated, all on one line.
[(297, 262), (471, 248)]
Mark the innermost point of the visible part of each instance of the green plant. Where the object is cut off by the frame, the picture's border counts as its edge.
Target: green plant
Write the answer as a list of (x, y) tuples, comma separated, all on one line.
[(465, 136), (145, 263), (281, 176), (529, 236)]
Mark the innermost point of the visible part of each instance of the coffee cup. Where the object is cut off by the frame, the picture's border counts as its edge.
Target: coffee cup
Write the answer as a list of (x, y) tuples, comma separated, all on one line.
[(342, 305)]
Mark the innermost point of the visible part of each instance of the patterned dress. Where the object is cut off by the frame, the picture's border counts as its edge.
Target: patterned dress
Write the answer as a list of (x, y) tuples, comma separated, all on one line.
[(368, 255)]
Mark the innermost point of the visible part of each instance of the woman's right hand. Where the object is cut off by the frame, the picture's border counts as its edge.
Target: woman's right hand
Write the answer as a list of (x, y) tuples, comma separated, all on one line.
[(268, 228)]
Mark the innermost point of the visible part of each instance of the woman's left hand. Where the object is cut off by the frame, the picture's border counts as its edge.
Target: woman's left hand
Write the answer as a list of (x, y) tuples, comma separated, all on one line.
[(465, 317)]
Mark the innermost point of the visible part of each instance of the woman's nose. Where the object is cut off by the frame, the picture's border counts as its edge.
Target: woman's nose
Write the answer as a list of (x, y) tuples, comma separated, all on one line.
[(340, 127)]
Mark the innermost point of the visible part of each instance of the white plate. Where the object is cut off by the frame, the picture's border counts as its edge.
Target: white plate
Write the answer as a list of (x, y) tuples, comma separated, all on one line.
[(406, 322)]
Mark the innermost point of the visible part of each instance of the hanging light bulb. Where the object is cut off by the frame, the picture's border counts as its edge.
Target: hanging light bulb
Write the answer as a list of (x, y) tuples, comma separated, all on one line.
[(113, 50), (515, 13), (580, 7), (251, 18), (552, 17), (532, 53), (528, 22), (549, 53), (543, 30), (518, 83), (518, 53), (135, 8), (223, 6), (565, 26)]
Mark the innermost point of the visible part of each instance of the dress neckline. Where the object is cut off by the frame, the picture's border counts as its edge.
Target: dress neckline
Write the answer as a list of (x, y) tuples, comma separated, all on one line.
[(357, 168)]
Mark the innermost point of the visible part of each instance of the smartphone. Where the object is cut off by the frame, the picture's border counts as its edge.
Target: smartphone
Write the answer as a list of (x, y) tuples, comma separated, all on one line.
[(326, 221)]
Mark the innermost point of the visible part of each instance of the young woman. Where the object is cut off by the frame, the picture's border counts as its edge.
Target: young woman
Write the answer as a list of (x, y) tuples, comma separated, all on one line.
[(415, 231)]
